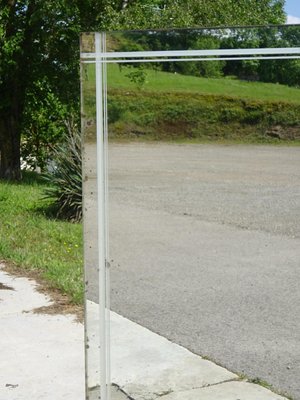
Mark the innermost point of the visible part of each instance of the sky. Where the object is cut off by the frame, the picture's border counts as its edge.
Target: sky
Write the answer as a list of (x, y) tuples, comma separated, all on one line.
[(292, 8)]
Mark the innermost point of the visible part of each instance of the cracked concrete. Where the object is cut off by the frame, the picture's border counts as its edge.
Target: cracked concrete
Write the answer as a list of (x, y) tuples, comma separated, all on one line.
[(42, 355)]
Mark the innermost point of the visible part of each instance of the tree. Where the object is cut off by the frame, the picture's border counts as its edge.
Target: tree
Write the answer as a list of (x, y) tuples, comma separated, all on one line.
[(34, 44), (277, 71), (39, 54), (39, 49), (188, 13), (281, 71), (14, 70)]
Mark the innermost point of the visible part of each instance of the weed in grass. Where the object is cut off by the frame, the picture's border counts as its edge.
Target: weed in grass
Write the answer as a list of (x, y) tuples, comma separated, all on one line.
[(263, 383)]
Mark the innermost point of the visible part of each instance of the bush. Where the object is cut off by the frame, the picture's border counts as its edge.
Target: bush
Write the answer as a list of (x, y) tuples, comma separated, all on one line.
[(66, 178)]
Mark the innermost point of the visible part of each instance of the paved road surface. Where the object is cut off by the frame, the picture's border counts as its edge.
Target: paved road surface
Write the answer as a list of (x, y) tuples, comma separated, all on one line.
[(205, 243)]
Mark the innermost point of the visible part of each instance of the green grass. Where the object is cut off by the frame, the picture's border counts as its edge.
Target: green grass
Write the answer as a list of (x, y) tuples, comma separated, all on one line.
[(31, 240), (169, 82)]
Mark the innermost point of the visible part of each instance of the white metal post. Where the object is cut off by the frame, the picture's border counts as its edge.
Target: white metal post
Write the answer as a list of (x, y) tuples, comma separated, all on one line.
[(101, 208)]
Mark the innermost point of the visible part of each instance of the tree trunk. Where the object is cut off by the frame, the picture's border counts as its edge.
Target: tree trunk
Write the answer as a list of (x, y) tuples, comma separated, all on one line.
[(10, 128), (13, 88), (9, 148)]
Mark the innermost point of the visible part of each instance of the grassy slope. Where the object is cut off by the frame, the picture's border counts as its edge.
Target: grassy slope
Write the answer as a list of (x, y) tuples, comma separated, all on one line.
[(224, 106), (168, 82), (31, 240)]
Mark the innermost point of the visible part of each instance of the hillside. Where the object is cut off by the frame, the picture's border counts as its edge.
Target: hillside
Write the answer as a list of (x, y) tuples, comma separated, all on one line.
[(155, 105)]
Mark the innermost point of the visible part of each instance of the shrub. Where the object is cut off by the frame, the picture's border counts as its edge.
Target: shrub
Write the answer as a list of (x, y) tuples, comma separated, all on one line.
[(138, 76), (65, 180)]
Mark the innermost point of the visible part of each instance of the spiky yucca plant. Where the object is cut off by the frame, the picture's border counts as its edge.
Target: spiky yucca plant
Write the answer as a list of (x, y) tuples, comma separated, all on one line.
[(66, 177)]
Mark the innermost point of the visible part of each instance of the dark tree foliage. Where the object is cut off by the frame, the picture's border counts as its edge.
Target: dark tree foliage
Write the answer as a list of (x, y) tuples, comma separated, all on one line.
[(276, 71)]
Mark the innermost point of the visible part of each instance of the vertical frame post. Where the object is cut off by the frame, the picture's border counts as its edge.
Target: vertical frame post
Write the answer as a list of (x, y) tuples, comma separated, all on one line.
[(101, 133), (95, 221)]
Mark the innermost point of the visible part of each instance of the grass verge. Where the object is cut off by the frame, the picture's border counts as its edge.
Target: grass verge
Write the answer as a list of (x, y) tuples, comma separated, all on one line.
[(32, 241)]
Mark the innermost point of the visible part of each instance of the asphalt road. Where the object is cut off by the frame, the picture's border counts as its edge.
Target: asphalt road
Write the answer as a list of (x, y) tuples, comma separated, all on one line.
[(205, 250)]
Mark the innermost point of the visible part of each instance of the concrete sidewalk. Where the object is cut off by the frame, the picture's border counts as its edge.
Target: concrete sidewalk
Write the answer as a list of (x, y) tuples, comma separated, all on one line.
[(42, 357)]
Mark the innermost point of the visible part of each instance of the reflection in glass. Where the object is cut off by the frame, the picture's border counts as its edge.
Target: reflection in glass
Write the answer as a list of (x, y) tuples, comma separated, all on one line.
[(203, 207)]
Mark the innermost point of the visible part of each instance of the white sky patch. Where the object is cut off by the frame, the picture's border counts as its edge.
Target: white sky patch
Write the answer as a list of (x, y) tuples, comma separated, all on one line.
[(292, 20)]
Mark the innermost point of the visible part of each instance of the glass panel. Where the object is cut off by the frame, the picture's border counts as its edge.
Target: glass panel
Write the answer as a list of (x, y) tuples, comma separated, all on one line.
[(204, 207), (202, 42)]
